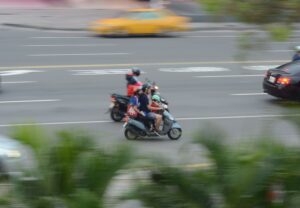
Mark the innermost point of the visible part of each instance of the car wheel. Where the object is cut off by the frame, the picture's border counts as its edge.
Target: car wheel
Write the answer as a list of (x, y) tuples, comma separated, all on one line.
[(121, 32), (3, 172), (165, 32)]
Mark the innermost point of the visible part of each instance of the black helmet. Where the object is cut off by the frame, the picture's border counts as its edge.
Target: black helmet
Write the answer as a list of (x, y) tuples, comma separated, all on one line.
[(146, 86), (136, 71)]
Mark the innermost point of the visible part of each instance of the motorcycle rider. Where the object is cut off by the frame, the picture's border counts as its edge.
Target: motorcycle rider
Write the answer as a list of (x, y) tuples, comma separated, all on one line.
[(155, 103), (132, 81), (296, 57), (133, 110), (146, 108)]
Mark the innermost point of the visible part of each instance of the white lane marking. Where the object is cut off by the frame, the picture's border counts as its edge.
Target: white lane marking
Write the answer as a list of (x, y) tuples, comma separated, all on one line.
[(64, 32), (28, 101), (213, 36), (289, 42), (178, 119), (260, 67), (233, 31), (246, 94), (63, 37), (73, 45), (211, 31), (239, 117), (194, 69), (17, 72), (279, 51), (79, 54), (19, 82), (100, 71), (55, 123), (64, 66), (231, 76)]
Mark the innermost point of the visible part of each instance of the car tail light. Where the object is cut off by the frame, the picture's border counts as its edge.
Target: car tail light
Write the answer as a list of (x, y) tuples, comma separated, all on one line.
[(284, 80)]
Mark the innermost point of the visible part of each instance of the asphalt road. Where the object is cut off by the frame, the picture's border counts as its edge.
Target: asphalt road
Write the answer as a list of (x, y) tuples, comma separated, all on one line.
[(64, 80)]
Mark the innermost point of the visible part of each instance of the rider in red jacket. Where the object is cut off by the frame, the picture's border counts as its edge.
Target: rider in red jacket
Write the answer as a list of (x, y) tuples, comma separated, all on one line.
[(132, 82)]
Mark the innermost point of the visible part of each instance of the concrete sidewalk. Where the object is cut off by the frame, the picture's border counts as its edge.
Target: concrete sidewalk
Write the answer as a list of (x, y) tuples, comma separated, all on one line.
[(79, 19), (96, 4)]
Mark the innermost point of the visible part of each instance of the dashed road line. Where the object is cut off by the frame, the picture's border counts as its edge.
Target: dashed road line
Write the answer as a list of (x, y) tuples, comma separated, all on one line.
[(28, 101), (194, 69), (100, 71), (231, 76), (178, 119), (279, 51), (260, 67), (140, 64), (72, 45), (247, 94), (62, 37), (78, 54), (17, 72), (239, 117), (213, 36), (19, 82)]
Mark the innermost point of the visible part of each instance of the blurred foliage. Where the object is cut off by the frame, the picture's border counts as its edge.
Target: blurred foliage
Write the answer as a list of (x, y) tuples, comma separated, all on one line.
[(279, 32), (257, 173), (256, 11), (71, 171), (262, 12)]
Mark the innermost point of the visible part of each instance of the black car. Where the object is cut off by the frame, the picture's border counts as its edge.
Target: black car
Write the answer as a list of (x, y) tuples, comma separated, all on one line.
[(283, 81)]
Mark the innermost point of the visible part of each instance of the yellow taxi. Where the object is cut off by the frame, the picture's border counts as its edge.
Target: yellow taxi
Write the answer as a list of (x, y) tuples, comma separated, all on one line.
[(141, 22)]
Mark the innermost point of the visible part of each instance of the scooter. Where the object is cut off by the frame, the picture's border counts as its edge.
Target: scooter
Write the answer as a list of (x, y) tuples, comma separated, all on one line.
[(119, 103), (118, 107), (139, 128)]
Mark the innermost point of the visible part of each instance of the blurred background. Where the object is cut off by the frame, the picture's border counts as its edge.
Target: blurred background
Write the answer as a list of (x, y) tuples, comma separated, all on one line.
[(226, 70)]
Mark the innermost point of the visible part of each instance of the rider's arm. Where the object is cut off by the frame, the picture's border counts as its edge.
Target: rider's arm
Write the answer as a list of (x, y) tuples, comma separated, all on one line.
[(137, 110), (154, 108)]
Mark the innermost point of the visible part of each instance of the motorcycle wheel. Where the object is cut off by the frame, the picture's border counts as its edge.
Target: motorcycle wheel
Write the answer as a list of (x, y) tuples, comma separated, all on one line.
[(175, 134), (115, 115), (130, 135)]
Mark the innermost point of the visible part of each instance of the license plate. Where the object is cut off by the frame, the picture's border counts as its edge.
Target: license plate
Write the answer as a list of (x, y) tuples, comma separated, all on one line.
[(272, 79), (111, 105)]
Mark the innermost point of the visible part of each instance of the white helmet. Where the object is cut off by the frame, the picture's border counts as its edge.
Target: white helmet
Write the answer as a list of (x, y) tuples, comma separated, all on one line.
[(297, 48)]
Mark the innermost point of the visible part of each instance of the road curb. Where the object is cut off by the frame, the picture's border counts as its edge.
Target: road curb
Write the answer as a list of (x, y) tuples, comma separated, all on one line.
[(42, 27)]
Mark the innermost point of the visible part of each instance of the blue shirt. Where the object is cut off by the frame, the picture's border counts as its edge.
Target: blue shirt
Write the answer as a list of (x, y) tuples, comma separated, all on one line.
[(296, 57), (134, 101), (144, 102)]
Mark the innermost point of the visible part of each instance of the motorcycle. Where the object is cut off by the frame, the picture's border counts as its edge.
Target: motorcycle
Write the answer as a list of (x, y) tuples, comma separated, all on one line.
[(119, 103), (118, 107), (138, 128)]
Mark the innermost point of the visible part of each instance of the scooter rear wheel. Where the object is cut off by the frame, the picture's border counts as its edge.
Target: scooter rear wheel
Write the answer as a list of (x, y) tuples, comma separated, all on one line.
[(115, 115), (130, 135), (175, 133)]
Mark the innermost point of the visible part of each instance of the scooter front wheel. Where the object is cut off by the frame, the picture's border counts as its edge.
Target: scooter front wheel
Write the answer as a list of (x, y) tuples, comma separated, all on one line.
[(130, 135), (175, 133)]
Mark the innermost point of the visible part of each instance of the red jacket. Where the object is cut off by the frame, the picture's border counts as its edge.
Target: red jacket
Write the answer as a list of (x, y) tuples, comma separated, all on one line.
[(132, 88)]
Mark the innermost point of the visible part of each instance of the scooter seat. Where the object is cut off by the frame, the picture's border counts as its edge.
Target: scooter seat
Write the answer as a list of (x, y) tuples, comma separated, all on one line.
[(118, 96)]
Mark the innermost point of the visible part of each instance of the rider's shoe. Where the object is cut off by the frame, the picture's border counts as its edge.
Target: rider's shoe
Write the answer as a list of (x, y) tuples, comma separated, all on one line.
[(156, 133)]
